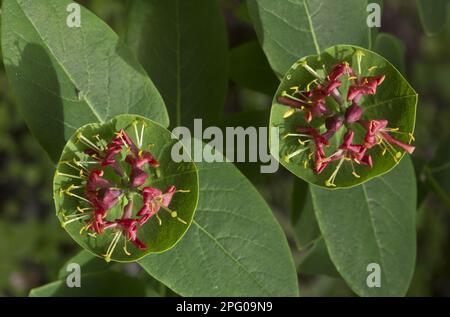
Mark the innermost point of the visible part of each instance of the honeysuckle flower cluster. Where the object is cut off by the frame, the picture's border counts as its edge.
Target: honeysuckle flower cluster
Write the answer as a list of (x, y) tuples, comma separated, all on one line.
[(98, 190), (313, 103)]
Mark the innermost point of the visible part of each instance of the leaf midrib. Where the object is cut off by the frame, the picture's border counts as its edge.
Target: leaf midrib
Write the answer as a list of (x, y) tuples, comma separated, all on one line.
[(377, 240), (311, 27), (88, 102)]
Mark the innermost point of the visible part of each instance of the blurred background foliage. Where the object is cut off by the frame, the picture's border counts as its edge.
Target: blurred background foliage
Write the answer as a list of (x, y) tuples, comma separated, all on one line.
[(33, 247)]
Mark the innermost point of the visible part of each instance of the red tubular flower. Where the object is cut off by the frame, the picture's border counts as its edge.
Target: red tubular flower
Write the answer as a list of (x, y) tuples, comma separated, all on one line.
[(128, 226), (129, 229), (353, 113), (379, 134), (339, 70), (95, 181), (137, 175), (154, 199), (347, 152), (333, 124), (364, 86), (319, 143), (312, 102)]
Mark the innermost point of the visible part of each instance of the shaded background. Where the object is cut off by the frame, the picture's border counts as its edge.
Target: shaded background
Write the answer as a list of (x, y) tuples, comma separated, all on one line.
[(33, 246)]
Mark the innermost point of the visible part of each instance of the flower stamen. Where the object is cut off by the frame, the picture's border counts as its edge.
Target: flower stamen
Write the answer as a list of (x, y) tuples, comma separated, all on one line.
[(330, 181), (87, 142), (112, 246), (288, 157)]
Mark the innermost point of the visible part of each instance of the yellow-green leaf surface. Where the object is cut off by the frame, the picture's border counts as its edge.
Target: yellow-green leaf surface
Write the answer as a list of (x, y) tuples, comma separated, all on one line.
[(65, 77)]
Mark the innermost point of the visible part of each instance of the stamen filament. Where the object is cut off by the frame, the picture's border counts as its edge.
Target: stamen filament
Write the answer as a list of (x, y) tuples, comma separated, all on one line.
[(136, 131), (70, 176), (289, 113), (330, 181), (359, 56), (82, 210), (310, 70), (88, 142), (353, 170), (73, 219), (67, 192), (142, 134), (119, 134), (295, 153), (72, 166), (294, 134), (181, 220), (112, 246), (125, 247), (285, 94), (159, 219)]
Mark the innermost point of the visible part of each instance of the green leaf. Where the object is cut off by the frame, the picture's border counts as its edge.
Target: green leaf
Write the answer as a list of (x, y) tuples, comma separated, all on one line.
[(110, 284), (304, 223), (183, 47), (433, 15), (289, 30), (372, 223), (395, 101), (87, 262), (317, 261), (391, 48), (438, 172), (157, 236), (234, 247), (249, 68), (66, 77), (246, 119)]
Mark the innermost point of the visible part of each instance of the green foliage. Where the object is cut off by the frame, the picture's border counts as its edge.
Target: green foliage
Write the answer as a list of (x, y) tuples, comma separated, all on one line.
[(372, 223), (290, 30), (87, 262), (66, 76), (183, 47), (391, 48), (249, 68), (303, 220), (433, 15), (438, 172), (317, 261)]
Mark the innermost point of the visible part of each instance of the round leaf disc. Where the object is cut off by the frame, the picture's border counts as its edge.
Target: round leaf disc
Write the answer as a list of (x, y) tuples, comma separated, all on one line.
[(76, 211), (395, 101)]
